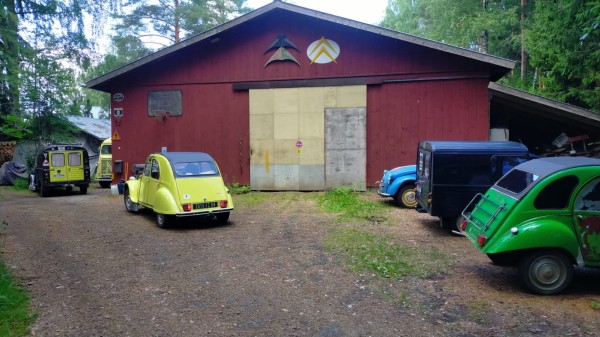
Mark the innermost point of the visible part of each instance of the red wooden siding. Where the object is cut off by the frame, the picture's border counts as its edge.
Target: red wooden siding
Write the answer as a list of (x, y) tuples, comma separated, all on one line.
[(399, 115)]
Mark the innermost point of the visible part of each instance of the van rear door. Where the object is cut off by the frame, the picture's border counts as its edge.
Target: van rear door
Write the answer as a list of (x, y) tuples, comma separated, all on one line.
[(66, 166), (423, 178)]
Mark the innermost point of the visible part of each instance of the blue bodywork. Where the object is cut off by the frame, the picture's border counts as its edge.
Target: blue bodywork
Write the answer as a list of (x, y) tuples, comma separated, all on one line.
[(394, 179)]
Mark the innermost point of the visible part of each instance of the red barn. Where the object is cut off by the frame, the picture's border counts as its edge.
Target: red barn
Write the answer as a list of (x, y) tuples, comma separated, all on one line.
[(288, 98)]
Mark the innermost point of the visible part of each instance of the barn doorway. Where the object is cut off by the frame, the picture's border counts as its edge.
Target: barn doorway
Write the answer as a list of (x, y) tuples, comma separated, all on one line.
[(307, 139)]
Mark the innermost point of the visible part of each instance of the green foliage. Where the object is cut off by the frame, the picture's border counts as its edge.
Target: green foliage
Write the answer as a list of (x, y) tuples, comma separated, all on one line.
[(251, 199), (364, 251), (21, 184), (15, 315), (347, 202), (236, 188), (14, 126), (565, 49), (594, 304)]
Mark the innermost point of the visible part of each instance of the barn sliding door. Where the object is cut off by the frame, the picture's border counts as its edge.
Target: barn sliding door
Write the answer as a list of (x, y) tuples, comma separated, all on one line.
[(287, 136)]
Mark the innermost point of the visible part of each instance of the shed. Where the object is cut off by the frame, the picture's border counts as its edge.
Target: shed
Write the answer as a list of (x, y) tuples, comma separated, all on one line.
[(288, 98)]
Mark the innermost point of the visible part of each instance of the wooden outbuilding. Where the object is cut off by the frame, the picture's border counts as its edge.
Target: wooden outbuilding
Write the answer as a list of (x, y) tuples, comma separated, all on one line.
[(288, 98)]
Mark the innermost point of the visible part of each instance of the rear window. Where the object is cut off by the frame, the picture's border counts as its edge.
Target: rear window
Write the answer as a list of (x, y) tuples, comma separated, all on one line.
[(200, 168), (516, 181)]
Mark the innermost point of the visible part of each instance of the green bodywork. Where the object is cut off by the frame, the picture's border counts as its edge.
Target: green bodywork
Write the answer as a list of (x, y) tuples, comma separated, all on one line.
[(513, 223)]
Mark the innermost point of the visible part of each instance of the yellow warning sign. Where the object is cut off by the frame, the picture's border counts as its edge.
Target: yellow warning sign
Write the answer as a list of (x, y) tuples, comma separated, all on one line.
[(116, 136)]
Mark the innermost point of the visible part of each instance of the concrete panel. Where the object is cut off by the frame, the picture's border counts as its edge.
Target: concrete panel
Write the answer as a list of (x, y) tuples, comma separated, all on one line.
[(311, 100), (345, 128), (260, 179), (284, 152), (331, 97), (261, 126), (285, 126), (286, 177), (345, 147), (312, 177), (310, 125), (285, 101), (346, 167), (312, 152), (352, 96), (261, 152), (261, 102)]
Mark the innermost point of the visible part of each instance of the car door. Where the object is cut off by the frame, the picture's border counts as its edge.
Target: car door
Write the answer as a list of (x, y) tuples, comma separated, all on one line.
[(144, 181), (152, 183), (586, 217)]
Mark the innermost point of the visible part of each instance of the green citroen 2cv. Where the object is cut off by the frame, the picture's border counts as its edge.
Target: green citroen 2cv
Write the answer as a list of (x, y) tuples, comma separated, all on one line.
[(544, 216)]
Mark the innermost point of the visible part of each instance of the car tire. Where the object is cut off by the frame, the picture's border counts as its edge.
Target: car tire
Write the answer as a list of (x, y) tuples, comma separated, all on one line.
[(502, 259), (546, 271), (83, 189), (164, 220), (406, 197), (104, 184), (130, 206), (222, 218), (449, 223), (44, 191)]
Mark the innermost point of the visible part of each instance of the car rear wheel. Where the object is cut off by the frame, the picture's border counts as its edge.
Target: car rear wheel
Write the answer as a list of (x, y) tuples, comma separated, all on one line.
[(129, 204), (164, 220), (222, 218), (104, 184), (43, 190), (406, 197), (83, 189), (547, 271)]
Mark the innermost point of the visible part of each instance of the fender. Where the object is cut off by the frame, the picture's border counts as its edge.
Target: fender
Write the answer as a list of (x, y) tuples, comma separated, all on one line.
[(400, 176), (556, 234), (164, 202), (134, 189)]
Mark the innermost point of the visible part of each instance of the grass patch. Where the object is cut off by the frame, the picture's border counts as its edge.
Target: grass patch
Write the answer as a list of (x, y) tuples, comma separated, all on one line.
[(15, 316), (21, 184), (250, 199), (364, 251), (351, 206), (236, 189), (594, 304)]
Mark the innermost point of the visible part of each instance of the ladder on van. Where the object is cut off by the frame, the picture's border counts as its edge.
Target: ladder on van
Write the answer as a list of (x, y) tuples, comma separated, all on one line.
[(479, 208)]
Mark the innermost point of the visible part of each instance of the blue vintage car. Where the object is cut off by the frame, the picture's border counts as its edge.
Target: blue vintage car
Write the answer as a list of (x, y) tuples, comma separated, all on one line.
[(399, 183)]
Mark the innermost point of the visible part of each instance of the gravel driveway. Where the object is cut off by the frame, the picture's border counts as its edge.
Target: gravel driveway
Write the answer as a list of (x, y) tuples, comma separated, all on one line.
[(95, 270)]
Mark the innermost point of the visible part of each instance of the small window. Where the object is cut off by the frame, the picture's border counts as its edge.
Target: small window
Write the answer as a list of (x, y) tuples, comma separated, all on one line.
[(155, 173), (74, 159), (589, 198), (516, 181), (203, 168), (106, 149), (147, 168), (58, 159), (557, 194), (167, 101)]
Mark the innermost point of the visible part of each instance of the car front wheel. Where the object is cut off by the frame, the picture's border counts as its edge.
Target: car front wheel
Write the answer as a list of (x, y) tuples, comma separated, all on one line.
[(406, 197), (129, 204), (546, 272)]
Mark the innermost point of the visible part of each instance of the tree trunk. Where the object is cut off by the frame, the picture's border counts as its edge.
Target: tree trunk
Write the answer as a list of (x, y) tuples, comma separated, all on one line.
[(177, 23), (523, 53), (10, 48), (484, 37)]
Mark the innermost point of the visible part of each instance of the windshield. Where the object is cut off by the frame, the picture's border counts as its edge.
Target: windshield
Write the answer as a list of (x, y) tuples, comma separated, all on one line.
[(199, 168), (106, 149), (516, 181)]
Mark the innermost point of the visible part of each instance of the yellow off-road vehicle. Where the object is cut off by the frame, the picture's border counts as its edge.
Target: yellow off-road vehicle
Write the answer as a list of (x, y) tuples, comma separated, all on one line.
[(61, 166), (104, 174)]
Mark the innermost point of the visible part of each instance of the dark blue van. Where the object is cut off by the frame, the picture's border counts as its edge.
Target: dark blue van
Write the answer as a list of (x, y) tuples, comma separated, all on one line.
[(451, 173)]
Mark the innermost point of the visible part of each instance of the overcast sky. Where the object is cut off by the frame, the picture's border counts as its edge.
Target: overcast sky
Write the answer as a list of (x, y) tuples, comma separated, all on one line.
[(369, 11)]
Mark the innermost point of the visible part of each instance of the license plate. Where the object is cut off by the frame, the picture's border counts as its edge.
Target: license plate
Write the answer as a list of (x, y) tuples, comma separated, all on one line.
[(205, 205), (58, 175)]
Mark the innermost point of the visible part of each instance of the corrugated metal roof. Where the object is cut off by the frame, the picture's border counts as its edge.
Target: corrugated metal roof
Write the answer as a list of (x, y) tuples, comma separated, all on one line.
[(504, 64), (99, 128)]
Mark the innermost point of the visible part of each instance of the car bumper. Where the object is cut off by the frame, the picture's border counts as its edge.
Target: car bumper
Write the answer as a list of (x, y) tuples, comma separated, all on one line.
[(203, 213), (380, 191)]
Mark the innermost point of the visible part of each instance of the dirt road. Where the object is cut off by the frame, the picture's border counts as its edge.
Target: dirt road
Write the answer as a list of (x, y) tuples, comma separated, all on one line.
[(95, 270)]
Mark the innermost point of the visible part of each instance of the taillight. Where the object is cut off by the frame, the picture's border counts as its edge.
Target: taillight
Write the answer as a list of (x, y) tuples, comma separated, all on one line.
[(463, 225), (481, 239), (187, 207), (223, 203)]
